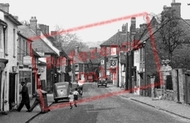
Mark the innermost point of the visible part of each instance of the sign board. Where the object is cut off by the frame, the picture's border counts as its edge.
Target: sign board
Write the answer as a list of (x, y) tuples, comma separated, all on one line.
[(112, 62), (113, 51), (27, 60), (102, 61)]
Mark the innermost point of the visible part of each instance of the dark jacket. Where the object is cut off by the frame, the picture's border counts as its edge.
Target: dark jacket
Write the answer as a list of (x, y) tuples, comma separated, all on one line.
[(24, 92)]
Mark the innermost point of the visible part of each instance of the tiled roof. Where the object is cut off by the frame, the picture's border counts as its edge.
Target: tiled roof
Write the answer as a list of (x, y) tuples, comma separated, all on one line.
[(86, 57), (38, 44), (116, 39), (26, 32), (11, 18)]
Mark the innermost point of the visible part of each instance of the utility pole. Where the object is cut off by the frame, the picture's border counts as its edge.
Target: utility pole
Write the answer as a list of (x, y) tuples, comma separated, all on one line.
[(132, 35), (126, 61), (117, 52)]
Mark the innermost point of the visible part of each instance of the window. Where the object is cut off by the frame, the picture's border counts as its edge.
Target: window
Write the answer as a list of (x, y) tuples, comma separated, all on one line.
[(26, 76), (6, 42), (14, 47), (1, 37), (19, 50)]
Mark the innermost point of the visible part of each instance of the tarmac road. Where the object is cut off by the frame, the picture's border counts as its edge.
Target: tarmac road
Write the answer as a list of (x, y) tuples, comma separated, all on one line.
[(106, 110)]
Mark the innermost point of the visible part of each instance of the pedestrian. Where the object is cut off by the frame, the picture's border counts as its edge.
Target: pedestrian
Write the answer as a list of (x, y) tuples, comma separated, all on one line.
[(25, 97), (71, 99), (80, 86), (39, 99), (75, 94)]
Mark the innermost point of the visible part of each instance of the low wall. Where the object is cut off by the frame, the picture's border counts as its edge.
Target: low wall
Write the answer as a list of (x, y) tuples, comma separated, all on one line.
[(169, 95)]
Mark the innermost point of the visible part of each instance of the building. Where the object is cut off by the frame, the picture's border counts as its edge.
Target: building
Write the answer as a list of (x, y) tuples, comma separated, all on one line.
[(51, 53), (150, 51), (8, 58), (27, 58), (111, 64)]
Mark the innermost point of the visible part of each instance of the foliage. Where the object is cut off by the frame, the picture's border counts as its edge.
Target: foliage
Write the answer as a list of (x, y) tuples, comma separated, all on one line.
[(70, 41), (170, 32)]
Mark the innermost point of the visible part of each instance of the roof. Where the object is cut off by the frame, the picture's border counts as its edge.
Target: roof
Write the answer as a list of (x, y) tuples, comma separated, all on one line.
[(87, 57), (11, 18), (3, 23), (58, 45), (35, 53), (40, 46), (115, 40), (26, 32), (48, 43)]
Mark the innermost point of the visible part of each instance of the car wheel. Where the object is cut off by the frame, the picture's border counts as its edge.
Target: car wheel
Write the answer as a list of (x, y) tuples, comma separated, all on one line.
[(55, 100)]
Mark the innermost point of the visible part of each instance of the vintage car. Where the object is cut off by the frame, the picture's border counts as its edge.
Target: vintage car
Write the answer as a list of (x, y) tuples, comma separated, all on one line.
[(61, 91), (102, 82)]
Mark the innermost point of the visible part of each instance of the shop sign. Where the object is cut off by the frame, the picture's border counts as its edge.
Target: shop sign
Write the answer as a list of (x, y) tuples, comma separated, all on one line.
[(27, 60)]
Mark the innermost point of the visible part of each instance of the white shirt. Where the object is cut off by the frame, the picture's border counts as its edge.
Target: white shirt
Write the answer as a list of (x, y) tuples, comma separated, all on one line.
[(75, 93), (71, 98), (81, 82)]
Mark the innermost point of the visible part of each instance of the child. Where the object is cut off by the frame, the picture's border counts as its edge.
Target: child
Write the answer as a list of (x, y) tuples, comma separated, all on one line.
[(75, 94), (71, 99)]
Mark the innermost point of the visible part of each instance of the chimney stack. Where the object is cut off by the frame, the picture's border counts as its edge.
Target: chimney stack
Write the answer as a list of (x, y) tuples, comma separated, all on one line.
[(133, 25), (177, 8), (76, 50), (33, 24), (4, 7)]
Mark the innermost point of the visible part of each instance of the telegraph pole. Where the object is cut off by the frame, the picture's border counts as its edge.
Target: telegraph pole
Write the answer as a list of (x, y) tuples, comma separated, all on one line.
[(132, 35), (117, 52)]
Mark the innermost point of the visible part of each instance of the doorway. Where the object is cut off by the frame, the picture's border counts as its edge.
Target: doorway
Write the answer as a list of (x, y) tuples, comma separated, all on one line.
[(11, 90)]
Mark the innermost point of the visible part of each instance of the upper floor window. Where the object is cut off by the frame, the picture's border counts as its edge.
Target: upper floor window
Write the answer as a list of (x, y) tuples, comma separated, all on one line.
[(6, 42), (1, 36), (14, 43), (113, 51)]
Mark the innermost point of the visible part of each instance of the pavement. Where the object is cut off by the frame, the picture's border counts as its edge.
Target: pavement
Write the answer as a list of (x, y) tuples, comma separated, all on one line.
[(181, 110), (23, 116)]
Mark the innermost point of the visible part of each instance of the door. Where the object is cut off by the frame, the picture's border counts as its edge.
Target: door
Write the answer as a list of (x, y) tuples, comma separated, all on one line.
[(11, 90), (33, 83), (187, 90), (0, 89)]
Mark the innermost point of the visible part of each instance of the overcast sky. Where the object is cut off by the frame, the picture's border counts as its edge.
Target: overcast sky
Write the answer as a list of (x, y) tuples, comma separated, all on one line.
[(73, 13)]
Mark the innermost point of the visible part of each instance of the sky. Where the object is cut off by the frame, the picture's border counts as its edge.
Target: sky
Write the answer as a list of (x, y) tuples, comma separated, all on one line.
[(74, 13)]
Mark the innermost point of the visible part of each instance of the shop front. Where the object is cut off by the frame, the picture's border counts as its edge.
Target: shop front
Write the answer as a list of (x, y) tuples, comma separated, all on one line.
[(3, 63), (25, 74)]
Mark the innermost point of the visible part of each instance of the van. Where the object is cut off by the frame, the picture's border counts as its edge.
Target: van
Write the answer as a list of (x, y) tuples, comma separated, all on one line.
[(61, 91)]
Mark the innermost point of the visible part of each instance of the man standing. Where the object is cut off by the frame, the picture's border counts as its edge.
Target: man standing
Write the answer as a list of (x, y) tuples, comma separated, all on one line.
[(25, 97)]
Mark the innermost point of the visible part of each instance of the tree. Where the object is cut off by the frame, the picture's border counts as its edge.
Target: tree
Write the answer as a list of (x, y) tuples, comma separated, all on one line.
[(171, 32), (70, 41)]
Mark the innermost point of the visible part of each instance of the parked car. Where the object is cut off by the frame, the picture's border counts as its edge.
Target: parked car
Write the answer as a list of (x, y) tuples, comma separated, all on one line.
[(61, 91), (102, 82)]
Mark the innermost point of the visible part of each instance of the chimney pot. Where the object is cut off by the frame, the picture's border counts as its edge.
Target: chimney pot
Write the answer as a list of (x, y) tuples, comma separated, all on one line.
[(33, 24)]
